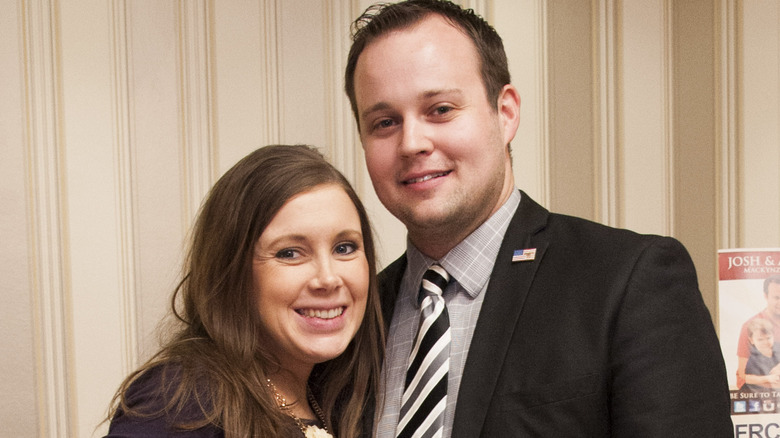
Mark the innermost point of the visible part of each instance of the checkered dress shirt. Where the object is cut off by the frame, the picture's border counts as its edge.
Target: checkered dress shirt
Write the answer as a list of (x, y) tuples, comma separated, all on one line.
[(470, 264)]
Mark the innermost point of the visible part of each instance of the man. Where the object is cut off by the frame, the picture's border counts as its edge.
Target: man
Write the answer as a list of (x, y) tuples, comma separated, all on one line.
[(553, 325), (770, 313)]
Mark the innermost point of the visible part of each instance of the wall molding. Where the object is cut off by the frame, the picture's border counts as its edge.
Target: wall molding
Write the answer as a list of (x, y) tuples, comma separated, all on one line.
[(343, 143), (542, 85), (644, 130), (272, 66), (198, 140), (124, 159), (728, 125), (608, 124), (47, 225), (668, 116)]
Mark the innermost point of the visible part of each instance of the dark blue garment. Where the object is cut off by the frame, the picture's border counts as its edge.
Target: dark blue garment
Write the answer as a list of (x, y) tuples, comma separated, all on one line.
[(146, 393)]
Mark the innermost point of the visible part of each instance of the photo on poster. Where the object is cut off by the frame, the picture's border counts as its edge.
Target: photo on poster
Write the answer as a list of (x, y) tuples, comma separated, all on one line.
[(749, 329)]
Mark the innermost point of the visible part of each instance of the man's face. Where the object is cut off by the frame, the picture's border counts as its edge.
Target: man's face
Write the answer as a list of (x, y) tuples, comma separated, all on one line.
[(436, 149), (773, 299)]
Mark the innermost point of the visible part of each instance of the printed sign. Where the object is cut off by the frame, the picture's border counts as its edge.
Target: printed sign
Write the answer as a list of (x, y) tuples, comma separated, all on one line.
[(749, 315)]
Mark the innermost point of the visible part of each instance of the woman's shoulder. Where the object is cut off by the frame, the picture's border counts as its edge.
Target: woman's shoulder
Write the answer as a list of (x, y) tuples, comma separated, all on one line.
[(155, 404), (154, 387)]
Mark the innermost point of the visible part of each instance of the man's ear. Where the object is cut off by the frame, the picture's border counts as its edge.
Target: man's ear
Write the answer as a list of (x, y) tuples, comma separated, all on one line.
[(509, 111)]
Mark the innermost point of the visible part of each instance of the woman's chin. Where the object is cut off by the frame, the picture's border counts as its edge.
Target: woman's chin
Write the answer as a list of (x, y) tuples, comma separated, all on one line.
[(326, 351)]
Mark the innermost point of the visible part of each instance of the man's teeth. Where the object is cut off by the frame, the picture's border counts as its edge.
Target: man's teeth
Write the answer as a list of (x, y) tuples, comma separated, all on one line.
[(322, 314), (425, 178)]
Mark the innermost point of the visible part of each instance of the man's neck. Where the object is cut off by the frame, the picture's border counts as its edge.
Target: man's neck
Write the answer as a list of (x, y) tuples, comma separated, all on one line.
[(772, 316), (436, 242)]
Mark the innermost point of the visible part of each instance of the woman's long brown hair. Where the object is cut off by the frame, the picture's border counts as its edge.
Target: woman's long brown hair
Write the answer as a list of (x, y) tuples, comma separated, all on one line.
[(215, 358)]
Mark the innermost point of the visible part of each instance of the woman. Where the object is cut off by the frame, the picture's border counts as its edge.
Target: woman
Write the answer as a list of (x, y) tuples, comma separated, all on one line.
[(279, 332)]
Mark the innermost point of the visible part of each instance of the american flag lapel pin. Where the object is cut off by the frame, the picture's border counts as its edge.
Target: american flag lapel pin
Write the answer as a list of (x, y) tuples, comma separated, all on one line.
[(524, 255)]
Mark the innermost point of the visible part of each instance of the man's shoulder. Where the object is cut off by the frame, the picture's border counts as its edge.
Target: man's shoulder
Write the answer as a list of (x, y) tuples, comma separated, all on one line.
[(760, 315), (576, 233), (558, 225)]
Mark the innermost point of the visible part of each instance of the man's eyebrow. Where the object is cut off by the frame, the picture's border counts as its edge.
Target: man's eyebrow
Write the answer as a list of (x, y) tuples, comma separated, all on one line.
[(445, 91), (381, 106)]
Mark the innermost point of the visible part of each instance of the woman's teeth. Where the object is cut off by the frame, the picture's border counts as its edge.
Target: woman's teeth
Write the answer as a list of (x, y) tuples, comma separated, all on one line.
[(322, 314)]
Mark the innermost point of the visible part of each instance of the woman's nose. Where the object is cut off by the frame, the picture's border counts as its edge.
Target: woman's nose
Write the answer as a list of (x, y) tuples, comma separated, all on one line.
[(326, 278)]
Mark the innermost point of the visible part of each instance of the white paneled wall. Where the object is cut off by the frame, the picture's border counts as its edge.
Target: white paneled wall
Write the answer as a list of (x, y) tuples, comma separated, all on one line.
[(758, 94), (117, 116), (646, 115)]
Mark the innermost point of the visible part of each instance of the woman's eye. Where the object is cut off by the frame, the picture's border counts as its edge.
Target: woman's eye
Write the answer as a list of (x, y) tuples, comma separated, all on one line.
[(287, 253), (345, 248)]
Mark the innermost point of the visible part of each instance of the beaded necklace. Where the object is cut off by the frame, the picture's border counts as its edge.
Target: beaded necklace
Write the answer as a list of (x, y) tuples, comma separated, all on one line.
[(281, 401)]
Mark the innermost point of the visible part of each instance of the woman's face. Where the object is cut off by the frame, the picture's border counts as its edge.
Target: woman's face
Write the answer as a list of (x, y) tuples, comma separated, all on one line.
[(311, 277)]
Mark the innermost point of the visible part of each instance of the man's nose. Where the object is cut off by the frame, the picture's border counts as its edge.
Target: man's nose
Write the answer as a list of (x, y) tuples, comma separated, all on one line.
[(414, 138)]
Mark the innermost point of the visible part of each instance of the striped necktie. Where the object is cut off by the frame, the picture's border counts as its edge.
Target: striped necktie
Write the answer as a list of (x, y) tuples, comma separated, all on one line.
[(425, 390)]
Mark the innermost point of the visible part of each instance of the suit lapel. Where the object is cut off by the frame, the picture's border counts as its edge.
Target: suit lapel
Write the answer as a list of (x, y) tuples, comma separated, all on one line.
[(501, 308), (389, 286)]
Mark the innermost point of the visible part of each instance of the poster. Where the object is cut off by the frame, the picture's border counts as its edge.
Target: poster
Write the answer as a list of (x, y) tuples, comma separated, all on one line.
[(749, 316)]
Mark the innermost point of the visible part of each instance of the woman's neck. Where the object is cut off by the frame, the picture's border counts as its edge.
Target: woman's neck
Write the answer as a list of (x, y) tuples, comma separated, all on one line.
[(292, 389)]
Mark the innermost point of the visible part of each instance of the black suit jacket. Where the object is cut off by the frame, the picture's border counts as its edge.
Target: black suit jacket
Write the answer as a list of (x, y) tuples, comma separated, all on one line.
[(604, 333)]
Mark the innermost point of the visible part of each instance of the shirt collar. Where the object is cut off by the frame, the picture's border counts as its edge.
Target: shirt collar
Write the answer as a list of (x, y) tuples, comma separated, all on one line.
[(470, 262)]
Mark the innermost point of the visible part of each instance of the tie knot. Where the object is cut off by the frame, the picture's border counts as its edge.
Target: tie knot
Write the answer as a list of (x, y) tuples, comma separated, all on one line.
[(434, 281)]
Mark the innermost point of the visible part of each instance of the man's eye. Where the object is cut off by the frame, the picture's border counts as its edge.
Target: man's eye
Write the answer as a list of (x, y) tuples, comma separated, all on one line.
[(442, 110), (384, 123)]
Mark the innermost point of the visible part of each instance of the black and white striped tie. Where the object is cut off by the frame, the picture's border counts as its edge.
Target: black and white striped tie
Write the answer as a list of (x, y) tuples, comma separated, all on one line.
[(425, 390)]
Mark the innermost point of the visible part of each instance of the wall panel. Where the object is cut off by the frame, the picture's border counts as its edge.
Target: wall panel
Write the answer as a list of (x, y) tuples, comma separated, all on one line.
[(19, 407), (242, 112), (760, 124), (302, 61), (160, 208), (570, 77), (695, 151), (93, 150), (645, 116), (523, 26)]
